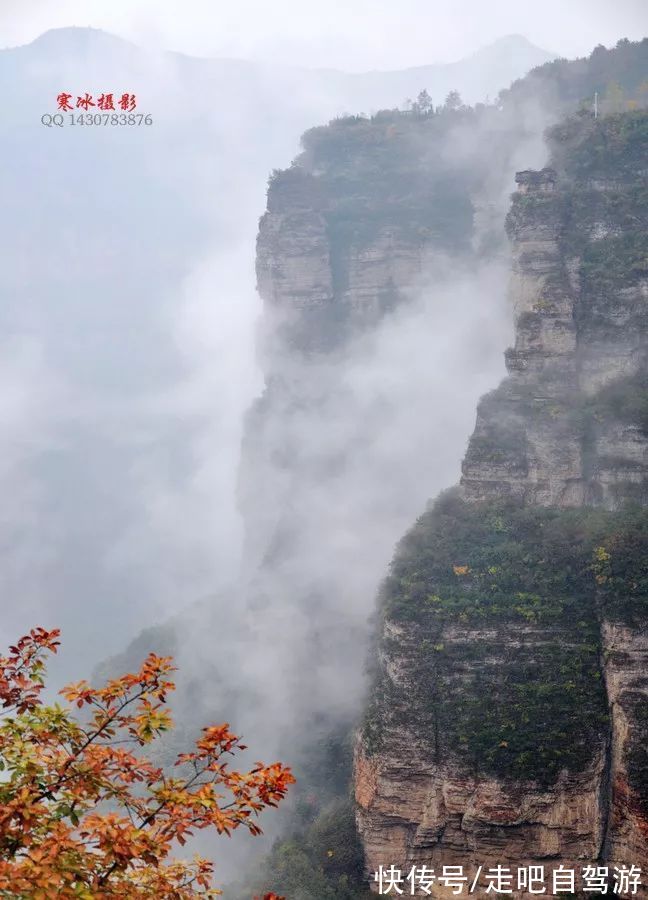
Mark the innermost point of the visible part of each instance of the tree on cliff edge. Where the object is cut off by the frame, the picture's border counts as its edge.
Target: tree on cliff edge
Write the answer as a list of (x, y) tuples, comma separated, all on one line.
[(83, 814)]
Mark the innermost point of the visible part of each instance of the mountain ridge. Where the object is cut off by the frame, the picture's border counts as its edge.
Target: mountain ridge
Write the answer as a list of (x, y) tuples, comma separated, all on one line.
[(481, 73), (89, 33)]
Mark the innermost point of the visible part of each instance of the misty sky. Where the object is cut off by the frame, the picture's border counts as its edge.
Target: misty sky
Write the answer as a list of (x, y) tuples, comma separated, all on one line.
[(354, 35)]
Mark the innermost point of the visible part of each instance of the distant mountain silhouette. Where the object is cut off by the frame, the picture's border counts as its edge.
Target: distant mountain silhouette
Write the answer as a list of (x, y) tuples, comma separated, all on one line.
[(481, 74)]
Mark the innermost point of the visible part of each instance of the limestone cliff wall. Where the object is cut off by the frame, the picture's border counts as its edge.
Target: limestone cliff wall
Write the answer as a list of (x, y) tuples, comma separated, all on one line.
[(334, 255), (371, 214), (539, 436), (567, 430)]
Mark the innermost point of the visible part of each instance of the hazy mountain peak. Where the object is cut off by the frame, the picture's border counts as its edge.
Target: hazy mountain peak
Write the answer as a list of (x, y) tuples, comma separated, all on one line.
[(511, 42), (78, 38), (81, 40), (512, 46)]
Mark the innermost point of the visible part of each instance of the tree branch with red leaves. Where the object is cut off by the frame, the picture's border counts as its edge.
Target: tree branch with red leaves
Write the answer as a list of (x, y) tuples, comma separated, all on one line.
[(84, 815)]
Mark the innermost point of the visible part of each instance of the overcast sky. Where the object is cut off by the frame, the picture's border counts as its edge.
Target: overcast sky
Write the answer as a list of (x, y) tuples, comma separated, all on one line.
[(351, 35)]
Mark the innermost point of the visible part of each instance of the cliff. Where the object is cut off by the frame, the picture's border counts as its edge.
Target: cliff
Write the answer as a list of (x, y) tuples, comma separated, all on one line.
[(369, 215), (376, 218), (350, 230), (558, 430), (508, 717)]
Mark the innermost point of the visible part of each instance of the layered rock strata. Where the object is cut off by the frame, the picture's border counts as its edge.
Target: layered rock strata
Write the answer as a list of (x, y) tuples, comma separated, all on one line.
[(508, 720)]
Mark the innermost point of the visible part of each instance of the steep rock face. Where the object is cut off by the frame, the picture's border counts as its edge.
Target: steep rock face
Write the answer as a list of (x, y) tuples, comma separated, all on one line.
[(509, 713), (350, 230), (626, 654), (423, 808), (580, 328), (366, 226), (322, 278)]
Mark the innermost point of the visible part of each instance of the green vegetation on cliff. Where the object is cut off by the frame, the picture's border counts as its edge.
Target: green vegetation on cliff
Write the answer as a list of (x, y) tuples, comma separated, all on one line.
[(497, 610), (624, 400), (391, 172), (618, 74), (599, 209), (610, 147)]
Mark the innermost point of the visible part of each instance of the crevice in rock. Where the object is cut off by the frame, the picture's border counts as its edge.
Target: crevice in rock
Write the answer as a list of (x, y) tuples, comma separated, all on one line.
[(605, 792)]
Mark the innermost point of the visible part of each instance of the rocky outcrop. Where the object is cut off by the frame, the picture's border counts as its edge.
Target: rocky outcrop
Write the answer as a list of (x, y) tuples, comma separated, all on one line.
[(485, 743), (372, 211), (339, 246), (626, 666), (419, 805), (322, 278), (541, 435)]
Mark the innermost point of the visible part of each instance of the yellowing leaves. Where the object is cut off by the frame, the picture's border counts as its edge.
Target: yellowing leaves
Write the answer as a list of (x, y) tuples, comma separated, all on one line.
[(601, 565), (57, 839), (461, 570)]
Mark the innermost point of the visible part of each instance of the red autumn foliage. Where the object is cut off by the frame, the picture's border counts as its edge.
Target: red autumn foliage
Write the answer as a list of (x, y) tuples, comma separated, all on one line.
[(84, 815)]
